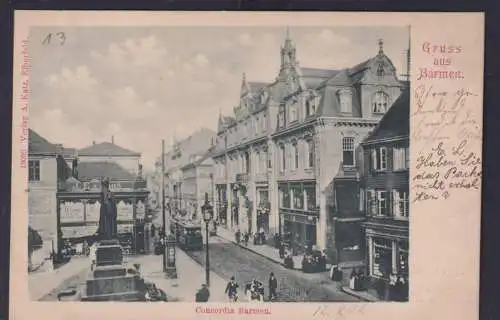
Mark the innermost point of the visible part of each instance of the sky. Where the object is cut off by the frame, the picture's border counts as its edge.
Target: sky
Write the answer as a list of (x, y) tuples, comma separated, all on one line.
[(143, 84)]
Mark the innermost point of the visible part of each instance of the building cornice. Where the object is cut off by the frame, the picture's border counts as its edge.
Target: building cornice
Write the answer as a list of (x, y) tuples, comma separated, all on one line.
[(386, 140)]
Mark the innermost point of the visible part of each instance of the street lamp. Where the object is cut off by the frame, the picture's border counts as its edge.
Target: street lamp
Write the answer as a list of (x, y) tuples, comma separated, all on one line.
[(208, 213)]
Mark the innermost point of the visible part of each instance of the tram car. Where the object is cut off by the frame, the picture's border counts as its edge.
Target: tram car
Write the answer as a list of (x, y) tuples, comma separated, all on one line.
[(189, 236)]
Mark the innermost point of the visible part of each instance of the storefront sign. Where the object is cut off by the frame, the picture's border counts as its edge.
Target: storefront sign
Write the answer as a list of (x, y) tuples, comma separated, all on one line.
[(95, 186), (125, 211), (92, 211), (78, 232), (125, 228), (140, 211), (72, 212)]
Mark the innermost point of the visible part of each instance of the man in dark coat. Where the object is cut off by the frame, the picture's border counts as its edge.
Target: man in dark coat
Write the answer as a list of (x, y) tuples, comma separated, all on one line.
[(203, 294), (231, 289), (273, 285)]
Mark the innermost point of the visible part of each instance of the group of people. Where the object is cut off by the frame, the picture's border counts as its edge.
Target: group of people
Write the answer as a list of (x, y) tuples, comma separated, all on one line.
[(357, 280), (254, 290), (243, 238), (398, 288)]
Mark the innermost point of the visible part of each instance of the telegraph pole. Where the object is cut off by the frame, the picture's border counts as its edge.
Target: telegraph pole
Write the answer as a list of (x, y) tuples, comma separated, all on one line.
[(163, 202)]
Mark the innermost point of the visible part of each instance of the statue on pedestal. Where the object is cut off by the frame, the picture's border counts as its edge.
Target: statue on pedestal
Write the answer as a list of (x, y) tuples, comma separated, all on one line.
[(107, 218)]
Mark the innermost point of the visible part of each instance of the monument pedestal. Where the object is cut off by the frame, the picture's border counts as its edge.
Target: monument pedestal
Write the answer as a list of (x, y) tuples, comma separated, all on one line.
[(110, 280)]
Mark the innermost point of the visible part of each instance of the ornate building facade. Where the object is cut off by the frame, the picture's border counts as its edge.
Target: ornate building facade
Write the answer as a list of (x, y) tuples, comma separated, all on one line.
[(277, 157)]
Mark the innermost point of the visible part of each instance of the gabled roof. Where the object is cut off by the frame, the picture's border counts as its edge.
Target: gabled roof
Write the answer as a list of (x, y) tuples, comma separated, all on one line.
[(107, 149), (97, 170), (318, 73), (395, 123), (39, 145), (257, 86)]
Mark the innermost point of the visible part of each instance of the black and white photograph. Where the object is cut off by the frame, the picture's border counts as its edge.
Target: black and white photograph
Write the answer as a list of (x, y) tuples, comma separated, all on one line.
[(219, 164)]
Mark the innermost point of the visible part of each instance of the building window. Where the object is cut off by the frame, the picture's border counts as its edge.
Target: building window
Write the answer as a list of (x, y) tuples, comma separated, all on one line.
[(362, 200), (382, 257), (34, 170), (379, 159), (400, 204), (310, 197), (400, 158), (380, 70), (381, 203), (281, 116), (282, 155), (345, 98), (284, 197), (310, 153), (295, 149), (348, 151), (293, 110), (380, 102), (298, 198), (308, 107), (258, 166), (264, 123)]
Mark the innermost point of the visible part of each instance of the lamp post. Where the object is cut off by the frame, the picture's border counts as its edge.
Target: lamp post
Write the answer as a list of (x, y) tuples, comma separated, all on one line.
[(208, 213)]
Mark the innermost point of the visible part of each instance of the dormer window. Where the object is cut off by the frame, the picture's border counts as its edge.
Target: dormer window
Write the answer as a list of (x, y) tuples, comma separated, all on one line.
[(380, 102), (345, 99), (281, 116), (380, 70), (293, 110)]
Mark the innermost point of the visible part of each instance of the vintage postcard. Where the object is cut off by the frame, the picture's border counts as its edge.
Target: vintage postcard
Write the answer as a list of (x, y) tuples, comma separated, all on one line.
[(246, 165)]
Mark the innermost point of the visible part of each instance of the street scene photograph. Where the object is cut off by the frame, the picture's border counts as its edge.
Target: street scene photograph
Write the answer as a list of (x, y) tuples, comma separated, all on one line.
[(219, 164)]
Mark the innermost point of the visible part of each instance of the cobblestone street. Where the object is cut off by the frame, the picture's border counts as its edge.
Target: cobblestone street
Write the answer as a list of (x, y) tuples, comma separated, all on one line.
[(227, 259)]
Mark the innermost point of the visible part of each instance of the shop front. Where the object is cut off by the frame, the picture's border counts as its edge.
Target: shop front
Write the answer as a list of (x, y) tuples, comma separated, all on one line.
[(78, 212), (299, 230), (263, 209), (388, 263)]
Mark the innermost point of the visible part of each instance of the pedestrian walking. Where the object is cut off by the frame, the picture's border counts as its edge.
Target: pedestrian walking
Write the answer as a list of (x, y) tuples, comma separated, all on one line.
[(246, 237), (282, 250), (273, 285), (203, 294), (232, 290)]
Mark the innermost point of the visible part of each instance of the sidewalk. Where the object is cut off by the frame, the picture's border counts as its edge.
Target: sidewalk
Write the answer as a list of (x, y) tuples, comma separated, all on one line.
[(265, 251), (364, 295), (190, 277), (42, 283)]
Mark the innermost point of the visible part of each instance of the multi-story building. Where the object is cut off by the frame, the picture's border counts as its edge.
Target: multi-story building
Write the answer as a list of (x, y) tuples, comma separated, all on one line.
[(277, 157), (180, 156), (197, 179), (384, 192), (110, 152), (47, 166)]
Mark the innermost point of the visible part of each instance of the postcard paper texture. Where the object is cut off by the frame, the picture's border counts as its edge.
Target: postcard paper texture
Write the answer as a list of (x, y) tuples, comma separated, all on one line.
[(246, 165)]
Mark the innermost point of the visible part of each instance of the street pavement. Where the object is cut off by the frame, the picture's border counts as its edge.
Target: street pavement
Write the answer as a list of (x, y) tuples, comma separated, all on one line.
[(227, 259)]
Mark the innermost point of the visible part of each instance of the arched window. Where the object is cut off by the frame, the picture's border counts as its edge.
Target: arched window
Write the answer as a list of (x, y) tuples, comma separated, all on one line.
[(283, 157), (380, 102), (380, 70), (295, 149)]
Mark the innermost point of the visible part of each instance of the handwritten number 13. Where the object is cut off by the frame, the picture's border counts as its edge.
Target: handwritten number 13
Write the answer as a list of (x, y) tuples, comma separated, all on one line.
[(60, 36)]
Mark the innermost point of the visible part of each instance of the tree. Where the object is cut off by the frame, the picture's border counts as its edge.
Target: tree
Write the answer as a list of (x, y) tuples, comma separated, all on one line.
[(35, 242)]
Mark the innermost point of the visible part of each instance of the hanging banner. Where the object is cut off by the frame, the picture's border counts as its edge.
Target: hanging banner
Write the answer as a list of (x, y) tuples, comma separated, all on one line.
[(125, 211), (92, 211), (140, 210), (72, 212)]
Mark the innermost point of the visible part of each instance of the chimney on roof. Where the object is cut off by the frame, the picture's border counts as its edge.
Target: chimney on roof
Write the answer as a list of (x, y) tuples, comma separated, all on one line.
[(113, 139), (59, 148), (93, 142)]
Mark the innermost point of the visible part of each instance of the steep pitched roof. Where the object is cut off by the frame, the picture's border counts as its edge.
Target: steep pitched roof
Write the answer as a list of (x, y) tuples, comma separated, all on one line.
[(97, 170), (257, 86), (107, 149), (396, 122), (39, 145)]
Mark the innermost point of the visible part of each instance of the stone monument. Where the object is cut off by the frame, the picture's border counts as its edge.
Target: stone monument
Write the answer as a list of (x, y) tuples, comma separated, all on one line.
[(111, 279)]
